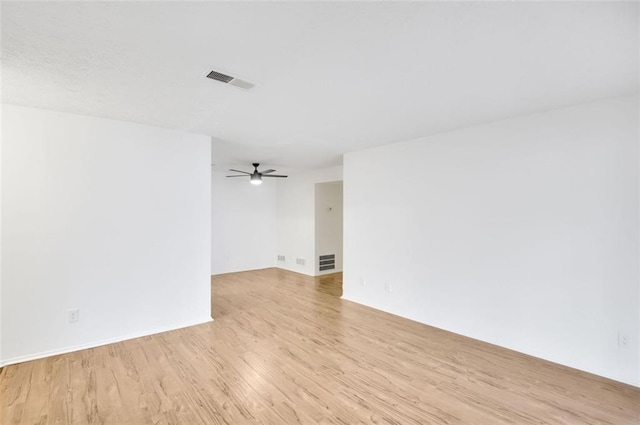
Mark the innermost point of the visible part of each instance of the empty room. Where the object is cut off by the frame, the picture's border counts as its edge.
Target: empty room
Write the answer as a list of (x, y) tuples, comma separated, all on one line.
[(319, 212)]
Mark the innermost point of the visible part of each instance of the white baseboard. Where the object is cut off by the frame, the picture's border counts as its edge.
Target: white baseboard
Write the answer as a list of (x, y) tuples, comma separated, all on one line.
[(93, 344)]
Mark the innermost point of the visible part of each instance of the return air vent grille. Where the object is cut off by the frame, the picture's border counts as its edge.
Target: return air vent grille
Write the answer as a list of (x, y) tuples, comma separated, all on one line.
[(218, 76), (228, 79), (327, 262)]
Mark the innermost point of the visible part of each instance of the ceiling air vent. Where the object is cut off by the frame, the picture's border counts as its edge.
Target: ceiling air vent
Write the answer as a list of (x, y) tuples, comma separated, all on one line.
[(227, 79)]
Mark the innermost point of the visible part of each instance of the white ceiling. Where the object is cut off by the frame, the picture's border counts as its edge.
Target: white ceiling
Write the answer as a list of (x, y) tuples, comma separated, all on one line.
[(332, 77)]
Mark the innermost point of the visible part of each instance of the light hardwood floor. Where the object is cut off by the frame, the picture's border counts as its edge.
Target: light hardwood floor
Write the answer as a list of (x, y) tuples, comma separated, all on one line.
[(285, 349)]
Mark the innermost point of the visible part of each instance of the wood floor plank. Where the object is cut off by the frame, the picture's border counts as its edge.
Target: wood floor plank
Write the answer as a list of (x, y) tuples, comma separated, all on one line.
[(285, 349)]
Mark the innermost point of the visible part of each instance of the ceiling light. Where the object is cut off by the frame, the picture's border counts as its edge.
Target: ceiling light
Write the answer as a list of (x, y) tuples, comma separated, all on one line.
[(256, 179)]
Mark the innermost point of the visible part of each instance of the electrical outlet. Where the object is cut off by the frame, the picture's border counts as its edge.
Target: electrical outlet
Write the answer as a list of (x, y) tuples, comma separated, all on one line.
[(74, 315), (623, 340), (387, 286), (281, 258), (300, 261)]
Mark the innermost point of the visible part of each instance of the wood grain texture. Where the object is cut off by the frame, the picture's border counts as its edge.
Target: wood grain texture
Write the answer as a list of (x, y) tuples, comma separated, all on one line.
[(285, 349)]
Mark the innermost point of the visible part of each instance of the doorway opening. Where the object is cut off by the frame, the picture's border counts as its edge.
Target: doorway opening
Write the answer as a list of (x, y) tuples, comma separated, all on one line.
[(328, 228)]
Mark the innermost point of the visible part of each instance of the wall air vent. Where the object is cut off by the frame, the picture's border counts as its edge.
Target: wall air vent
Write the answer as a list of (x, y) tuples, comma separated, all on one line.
[(228, 79), (327, 262), (218, 76)]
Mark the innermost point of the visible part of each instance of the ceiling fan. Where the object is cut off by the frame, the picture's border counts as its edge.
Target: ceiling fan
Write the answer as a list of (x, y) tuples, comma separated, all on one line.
[(256, 176)]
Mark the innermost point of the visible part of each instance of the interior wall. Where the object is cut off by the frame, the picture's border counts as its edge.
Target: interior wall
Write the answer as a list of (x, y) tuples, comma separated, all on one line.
[(243, 224), (522, 233), (1, 356), (1, 315), (328, 223), (107, 217), (296, 218)]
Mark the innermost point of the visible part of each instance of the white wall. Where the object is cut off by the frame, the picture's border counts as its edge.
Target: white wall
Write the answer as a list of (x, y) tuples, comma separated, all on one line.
[(109, 217), (1, 357), (522, 233), (243, 224), (296, 218), (328, 223)]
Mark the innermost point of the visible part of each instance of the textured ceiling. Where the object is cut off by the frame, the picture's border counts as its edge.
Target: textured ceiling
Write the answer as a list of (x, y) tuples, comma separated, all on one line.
[(332, 77)]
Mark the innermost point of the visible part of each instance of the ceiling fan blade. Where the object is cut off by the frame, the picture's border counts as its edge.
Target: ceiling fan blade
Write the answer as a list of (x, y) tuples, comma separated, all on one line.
[(268, 171), (275, 175), (239, 171), (243, 175)]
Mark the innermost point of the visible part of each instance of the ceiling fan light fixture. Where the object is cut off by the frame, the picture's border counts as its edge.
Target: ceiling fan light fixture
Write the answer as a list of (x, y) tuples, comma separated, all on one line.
[(256, 179)]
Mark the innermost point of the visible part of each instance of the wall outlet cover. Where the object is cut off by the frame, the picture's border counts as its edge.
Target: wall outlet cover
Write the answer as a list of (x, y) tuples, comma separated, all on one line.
[(74, 315), (623, 340)]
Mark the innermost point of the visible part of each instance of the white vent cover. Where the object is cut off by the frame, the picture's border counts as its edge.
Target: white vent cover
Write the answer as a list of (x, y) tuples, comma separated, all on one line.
[(228, 79)]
